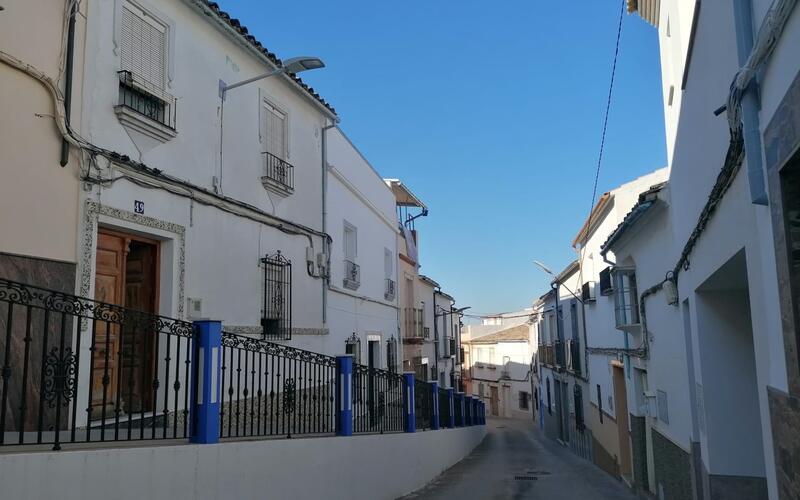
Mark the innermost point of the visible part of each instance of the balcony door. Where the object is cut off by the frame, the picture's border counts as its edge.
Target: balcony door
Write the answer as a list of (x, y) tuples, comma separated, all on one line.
[(126, 275)]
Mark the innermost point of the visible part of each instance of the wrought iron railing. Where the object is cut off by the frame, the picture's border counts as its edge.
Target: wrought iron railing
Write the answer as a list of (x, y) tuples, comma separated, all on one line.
[(147, 99), (468, 412), (444, 407), (77, 370), (352, 275), (459, 411), (423, 404), (274, 390), (278, 172), (389, 293), (377, 400)]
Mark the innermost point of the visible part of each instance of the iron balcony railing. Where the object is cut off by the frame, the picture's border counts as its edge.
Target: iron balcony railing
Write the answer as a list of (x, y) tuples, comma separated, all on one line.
[(352, 275), (278, 173), (390, 290), (147, 99), (377, 400), (78, 370), (274, 390)]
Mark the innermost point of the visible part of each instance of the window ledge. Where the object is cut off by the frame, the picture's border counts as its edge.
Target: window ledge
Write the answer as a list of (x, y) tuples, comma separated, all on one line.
[(140, 123), (388, 296), (276, 187), (351, 285)]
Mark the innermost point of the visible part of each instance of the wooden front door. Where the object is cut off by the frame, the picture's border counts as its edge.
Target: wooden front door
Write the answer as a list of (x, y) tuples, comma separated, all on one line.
[(493, 400), (621, 412), (109, 287), (126, 275)]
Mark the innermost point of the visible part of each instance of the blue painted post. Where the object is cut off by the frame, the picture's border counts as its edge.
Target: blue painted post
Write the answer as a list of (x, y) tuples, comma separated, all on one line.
[(408, 402), (475, 419), (205, 384), (468, 403), (436, 410), (344, 397), (451, 401)]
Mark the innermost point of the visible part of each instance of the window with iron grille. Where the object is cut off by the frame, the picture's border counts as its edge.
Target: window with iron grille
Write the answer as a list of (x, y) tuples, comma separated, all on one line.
[(391, 354), (578, 396), (143, 53), (276, 318), (352, 346)]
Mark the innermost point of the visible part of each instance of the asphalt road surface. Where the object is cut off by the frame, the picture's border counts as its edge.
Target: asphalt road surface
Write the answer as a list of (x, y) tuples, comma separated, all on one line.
[(516, 461)]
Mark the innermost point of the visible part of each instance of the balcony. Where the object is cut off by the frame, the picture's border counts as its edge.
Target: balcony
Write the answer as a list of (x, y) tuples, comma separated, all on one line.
[(145, 107), (278, 174), (390, 290), (352, 275), (553, 354)]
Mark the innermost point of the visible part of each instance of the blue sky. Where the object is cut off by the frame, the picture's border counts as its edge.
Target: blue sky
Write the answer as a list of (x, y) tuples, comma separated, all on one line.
[(491, 113)]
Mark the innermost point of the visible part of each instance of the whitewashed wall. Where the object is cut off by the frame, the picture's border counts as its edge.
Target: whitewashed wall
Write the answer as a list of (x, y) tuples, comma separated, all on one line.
[(357, 194), (702, 140), (38, 199), (222, 251), (377, 467)]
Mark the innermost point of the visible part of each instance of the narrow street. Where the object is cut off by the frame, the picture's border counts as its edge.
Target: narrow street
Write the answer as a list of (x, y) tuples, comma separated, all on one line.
[(516, 461)]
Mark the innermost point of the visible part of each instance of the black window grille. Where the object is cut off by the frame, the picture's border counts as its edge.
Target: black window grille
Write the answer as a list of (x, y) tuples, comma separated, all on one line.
[(352, 346), (549, 406), (578, 394), (599, 403), (391, 354), (606, 288), (147, 99), (276, 318)]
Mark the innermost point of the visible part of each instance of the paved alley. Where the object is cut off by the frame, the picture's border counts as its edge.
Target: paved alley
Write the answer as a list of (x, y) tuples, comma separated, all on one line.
[(515, 448)]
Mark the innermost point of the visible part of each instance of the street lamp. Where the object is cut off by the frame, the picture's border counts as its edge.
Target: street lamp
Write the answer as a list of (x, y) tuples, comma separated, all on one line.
[(555, 279), (292, 65)]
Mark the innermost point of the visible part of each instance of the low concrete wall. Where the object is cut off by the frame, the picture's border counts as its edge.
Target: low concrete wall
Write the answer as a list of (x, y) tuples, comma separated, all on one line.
[(370, 467)]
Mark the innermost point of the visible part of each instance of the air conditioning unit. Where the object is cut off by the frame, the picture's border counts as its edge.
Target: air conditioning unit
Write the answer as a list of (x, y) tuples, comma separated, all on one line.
[(588, 293), (194, 308)]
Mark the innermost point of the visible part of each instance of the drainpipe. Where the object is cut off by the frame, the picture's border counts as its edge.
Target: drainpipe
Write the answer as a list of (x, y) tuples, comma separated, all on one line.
[(326, 280), (68, 80), (743, 23)]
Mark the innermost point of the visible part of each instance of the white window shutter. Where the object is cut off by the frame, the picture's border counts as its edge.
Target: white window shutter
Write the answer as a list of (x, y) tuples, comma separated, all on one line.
[(275, 130), (143, 45)]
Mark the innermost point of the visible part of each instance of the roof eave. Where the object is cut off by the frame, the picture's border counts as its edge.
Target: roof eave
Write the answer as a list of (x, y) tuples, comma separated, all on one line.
[(306, 92)]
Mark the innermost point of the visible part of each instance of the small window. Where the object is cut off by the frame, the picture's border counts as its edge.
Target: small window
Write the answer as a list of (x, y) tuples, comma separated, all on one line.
[(391, 354), (549, 406), (606, 288), (663, 408), (599, 403), (276, 320), (143, 41), (626, 305), (578, 396), (523, 400), (352, 346), (352, 276)]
